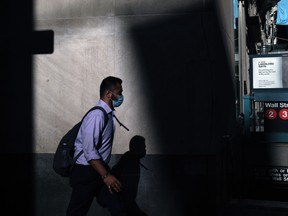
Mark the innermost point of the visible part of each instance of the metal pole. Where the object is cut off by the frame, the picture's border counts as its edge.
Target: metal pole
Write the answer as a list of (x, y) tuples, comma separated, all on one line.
[(242, 52)]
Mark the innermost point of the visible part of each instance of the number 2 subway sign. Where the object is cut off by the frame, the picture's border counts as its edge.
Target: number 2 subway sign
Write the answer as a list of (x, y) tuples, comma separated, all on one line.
[(276, 116)]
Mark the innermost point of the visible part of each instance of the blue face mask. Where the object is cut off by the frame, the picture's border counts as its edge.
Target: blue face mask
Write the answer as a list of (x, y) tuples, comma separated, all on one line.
[(118, 101)]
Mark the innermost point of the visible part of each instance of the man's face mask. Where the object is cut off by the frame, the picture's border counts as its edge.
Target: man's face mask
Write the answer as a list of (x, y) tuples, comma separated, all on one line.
[(117, 102)]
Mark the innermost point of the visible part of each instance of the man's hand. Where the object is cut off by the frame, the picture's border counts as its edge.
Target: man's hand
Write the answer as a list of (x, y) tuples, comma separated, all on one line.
[(112, 183)]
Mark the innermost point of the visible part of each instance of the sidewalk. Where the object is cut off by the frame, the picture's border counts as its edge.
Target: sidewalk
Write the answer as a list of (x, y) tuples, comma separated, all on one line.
[(256, 208)]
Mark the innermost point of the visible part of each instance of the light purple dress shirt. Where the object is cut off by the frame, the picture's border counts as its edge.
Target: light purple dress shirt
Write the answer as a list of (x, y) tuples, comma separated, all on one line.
[(90, 132)]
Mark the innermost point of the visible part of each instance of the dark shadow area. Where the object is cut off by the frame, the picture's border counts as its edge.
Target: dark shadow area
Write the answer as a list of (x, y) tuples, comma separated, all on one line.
[(282, 34), (192, 99), (253, 33), (249, 209), (264, 179), (128, 171), (16, 110), (18, 41), (189, 82)]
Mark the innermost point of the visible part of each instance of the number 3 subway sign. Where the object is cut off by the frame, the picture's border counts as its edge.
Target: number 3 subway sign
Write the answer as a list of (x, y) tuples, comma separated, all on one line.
[(276, 116)]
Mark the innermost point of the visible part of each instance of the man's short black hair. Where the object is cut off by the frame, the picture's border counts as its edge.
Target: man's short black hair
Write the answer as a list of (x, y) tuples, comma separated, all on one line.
[(108, 83)]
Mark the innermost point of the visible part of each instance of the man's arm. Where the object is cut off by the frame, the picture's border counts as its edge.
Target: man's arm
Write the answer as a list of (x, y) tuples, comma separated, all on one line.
[(111, 181)]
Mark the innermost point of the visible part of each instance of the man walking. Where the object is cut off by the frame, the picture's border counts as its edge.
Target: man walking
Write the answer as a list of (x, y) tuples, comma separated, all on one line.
[(91, 176)]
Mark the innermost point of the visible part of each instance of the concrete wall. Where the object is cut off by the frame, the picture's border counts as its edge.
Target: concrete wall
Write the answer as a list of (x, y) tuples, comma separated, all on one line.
[(158, 48), (176, 61)]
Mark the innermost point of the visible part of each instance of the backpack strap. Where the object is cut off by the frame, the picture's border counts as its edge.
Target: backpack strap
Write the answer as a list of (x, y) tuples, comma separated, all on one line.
[(105, 114), (100, 108), (105, 124)]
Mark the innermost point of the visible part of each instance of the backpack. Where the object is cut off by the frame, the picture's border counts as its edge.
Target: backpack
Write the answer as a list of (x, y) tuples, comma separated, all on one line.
[(63, 160)]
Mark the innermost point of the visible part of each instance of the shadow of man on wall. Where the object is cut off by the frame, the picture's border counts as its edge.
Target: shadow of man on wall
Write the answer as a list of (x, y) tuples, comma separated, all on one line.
[(128, 171)]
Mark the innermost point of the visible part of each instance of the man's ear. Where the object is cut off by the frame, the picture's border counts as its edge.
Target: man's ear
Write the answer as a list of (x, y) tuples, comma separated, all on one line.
[(108, 94)]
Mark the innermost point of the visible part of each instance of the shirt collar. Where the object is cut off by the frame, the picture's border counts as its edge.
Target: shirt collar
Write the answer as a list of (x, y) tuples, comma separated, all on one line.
[(105, 106)]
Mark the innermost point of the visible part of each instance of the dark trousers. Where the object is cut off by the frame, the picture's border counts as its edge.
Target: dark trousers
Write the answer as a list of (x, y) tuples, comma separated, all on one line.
[(87, 184)]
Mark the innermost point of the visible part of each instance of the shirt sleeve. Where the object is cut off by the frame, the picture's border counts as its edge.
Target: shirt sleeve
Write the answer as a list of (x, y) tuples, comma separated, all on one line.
[(91, 131)]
